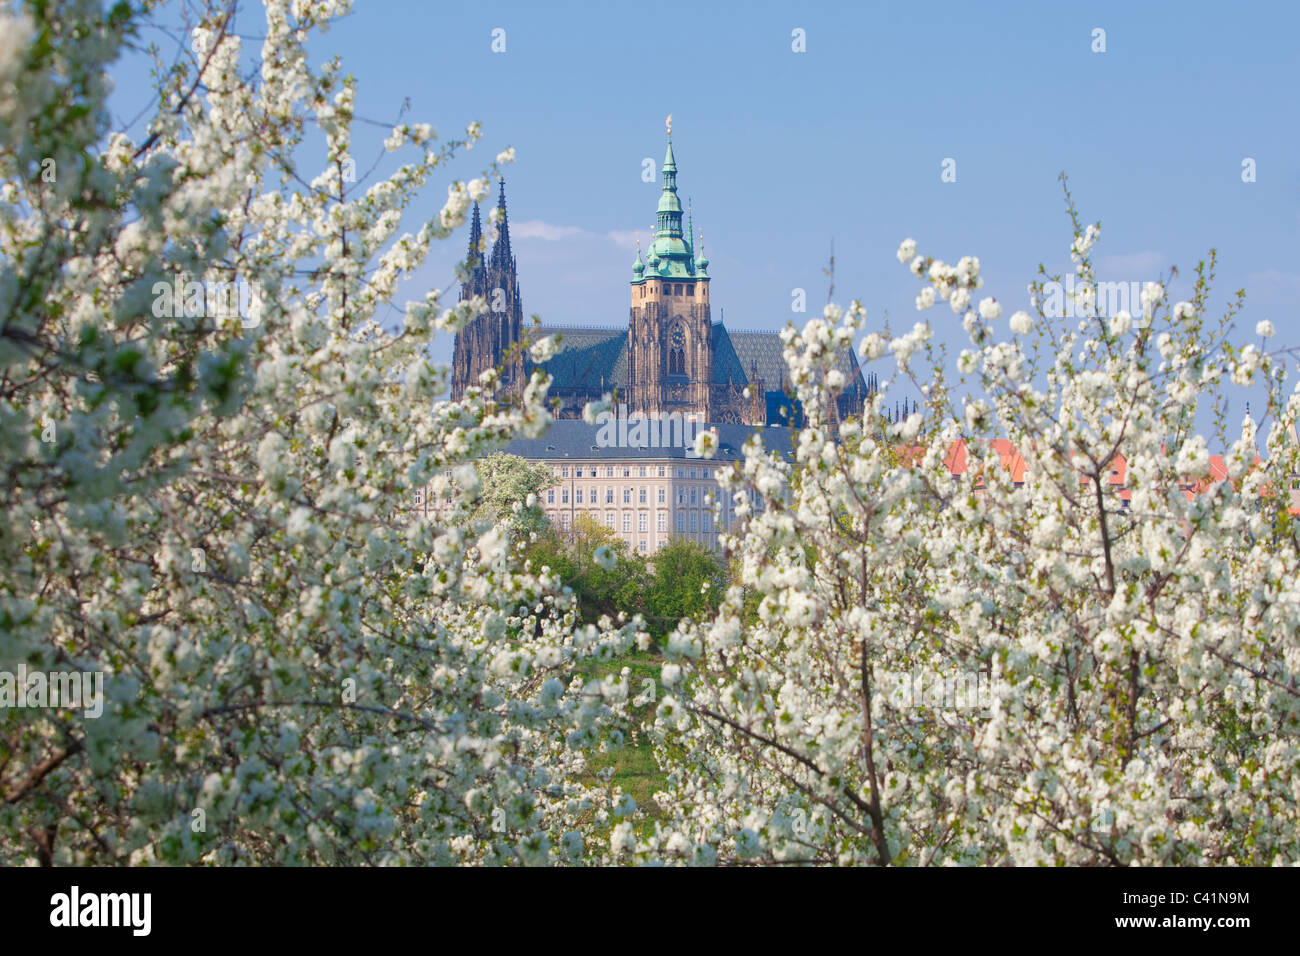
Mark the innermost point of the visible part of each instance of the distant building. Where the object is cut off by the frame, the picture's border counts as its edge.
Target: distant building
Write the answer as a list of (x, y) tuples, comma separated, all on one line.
[(670, 358), (645, 495)]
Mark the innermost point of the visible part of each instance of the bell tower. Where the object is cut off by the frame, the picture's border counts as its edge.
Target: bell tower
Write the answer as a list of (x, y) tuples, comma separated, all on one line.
[(670, 329)]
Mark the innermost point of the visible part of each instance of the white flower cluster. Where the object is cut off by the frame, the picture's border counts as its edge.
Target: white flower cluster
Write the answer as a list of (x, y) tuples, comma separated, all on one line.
[(1083, 244), (545, 348)]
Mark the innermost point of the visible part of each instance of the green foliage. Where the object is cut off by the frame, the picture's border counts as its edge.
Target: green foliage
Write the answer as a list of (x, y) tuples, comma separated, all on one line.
[(681, 570), (599, 590), (664, 589)]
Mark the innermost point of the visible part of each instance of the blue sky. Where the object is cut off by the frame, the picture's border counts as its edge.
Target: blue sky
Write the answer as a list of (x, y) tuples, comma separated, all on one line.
[(781, 152)]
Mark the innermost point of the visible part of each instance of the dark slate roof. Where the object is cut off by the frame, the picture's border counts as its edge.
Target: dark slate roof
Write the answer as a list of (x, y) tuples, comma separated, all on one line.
[(766, 351), (761, 350), (573, 438), (586, 357), (726, 365), (589, 355)]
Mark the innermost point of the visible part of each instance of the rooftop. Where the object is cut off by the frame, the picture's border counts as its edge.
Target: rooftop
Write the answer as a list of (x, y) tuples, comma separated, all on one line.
[(575, 439)]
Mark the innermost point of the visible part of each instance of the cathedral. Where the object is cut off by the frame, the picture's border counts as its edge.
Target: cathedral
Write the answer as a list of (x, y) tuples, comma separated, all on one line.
[(670, 358)]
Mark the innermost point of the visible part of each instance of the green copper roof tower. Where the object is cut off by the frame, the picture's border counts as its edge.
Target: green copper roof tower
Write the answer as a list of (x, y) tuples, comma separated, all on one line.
[(670, 254)]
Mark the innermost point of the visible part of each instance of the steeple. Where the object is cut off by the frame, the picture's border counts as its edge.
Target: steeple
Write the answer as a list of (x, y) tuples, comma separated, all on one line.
[(690, 229), (670, 207), (670, 254), (475, 256), (501, 256), (488, 340)]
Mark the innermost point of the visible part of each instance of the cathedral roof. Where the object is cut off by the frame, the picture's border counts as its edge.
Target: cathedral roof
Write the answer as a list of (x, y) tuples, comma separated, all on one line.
[(588, 358), (597, 358), (727, 367), (761, 352)]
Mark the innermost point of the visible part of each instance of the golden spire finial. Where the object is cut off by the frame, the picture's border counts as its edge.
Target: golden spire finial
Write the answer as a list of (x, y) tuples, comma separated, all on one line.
[(669, 123)]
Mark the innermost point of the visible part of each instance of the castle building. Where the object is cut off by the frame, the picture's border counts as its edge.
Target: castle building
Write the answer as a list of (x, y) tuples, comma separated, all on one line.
[(645, 496), (671, 358)]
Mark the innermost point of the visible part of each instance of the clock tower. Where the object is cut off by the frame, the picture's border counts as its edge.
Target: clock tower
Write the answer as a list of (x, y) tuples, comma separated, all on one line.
[(670, 330)]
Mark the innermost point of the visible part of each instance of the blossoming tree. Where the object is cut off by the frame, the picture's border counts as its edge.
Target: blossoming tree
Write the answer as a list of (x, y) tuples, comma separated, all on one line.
[(977, 670), (203, 490)]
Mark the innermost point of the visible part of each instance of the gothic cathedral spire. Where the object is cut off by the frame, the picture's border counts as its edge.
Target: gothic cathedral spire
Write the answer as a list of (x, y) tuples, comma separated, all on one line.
[(501, 255), (491, 339)]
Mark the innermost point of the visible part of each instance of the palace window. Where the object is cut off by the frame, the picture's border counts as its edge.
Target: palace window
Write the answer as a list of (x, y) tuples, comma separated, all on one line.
[(661, 496), (609, 520), (609, 471), (641, 472), (580, 496), (627, 521), (692, 496), (661, 523), (642, 498), (564, 472), (550, 497), (692, 522), (627, 496), (681, 521), (609, 496), (661, 473), (564, 496), (640, 521)]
